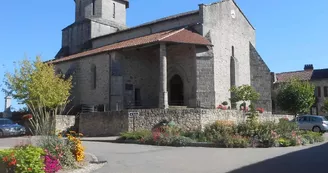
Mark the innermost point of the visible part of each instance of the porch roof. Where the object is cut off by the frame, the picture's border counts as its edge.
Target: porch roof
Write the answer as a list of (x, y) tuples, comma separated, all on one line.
[(183, 36)]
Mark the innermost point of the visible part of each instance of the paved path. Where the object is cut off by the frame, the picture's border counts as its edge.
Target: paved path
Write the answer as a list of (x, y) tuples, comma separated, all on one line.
[(130, 158)]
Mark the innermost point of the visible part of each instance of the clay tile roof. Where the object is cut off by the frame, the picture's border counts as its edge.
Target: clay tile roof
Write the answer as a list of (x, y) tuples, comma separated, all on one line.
[(175, 36), (301, 75)]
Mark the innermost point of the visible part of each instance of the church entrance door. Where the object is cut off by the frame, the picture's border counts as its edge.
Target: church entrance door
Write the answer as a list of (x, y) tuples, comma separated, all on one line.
[(176, 97)]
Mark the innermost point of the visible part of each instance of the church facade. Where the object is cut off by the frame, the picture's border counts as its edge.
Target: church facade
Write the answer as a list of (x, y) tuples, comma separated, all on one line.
[(191, 59)]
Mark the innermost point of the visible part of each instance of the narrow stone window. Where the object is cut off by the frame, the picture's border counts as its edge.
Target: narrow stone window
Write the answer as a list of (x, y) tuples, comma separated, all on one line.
[(93, 7), (137, 97), (80, 8), (94, 76), (114, 10), (318, 91), (233, 51), (325, 91)]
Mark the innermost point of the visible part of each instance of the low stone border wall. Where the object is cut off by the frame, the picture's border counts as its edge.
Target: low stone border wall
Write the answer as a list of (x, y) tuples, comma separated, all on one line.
[(113, 123)]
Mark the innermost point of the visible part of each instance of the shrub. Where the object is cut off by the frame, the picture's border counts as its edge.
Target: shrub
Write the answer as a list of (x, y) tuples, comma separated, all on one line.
[(173, 141), (284, 142), (219, 129), (246, 129), (285, 128), (56, 147), (266, 135), (24, 159), (235, 141), (197, 135), (136, 135), (312, 137)]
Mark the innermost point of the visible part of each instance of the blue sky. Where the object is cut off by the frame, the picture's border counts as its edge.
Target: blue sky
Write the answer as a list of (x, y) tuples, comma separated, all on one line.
[(289, 33)]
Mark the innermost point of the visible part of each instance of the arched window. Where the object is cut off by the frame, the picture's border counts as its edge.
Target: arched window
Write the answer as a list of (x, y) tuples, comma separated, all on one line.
[(94, 76)]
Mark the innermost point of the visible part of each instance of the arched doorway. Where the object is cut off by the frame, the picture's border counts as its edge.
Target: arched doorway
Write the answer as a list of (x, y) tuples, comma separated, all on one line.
[(176, 97)]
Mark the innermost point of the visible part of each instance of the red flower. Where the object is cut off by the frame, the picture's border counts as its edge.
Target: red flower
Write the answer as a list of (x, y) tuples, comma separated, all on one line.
[(261, 110), (5, 159)]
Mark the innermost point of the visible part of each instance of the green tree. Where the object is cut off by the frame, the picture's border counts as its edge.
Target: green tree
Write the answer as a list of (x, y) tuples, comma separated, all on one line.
[(296, 96), (244, 93), (325, 106), (35, 84)]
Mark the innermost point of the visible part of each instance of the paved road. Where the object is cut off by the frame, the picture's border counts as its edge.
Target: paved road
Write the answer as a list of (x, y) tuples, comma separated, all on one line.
[(126, 158), (130, 158)]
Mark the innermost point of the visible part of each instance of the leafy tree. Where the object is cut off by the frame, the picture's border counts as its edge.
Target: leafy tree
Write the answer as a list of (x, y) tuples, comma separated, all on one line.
[(36, 83), (296, 96), (325, 106), (45, 93), (244, 93)]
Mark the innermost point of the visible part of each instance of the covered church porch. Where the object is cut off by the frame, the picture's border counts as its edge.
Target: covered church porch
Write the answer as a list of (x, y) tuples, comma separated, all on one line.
[(158, 71)]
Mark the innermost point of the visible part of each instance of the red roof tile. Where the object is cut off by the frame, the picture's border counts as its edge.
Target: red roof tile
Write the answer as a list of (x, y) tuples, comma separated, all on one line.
[(301, 75), (176, 36)]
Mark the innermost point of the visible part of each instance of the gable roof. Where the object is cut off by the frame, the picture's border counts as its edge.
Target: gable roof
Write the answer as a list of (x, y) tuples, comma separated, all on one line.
[(303, 75), (171, 36)]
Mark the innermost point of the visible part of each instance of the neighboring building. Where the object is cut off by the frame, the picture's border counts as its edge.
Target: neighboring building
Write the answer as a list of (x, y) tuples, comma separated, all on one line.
[(318, 77), (191, 59)]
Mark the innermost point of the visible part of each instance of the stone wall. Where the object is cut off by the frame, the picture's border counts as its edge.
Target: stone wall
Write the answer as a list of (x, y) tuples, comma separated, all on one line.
[(260, 79), (64, 122), (113, 123), (103, 123), (147, 119), (230, 32)]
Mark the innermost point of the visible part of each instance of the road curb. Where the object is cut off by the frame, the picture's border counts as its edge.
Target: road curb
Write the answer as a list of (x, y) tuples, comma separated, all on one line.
[(95, 159)]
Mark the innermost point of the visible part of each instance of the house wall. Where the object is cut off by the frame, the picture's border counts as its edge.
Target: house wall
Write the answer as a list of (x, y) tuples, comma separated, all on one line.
[(224, 31), (321, 83)]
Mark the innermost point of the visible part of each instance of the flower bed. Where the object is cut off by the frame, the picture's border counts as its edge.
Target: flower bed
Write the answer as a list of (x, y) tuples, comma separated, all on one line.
[(51, 155), (226, 134)]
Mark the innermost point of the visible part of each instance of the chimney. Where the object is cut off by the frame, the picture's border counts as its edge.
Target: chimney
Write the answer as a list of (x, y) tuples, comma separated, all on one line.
[(308, 67)]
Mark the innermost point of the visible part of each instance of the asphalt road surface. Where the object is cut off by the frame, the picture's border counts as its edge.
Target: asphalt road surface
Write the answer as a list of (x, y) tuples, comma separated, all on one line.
[(130, 158)]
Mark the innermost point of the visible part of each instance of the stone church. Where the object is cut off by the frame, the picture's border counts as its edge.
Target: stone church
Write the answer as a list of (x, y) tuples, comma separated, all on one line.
[(190, 59)]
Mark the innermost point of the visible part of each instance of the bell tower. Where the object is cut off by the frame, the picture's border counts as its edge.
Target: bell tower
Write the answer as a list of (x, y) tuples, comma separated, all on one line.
[(110, 10), (93, 18)]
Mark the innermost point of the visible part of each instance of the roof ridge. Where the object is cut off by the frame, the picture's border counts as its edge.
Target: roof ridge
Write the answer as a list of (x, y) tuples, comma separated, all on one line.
[(292, 71), (171, 34)]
